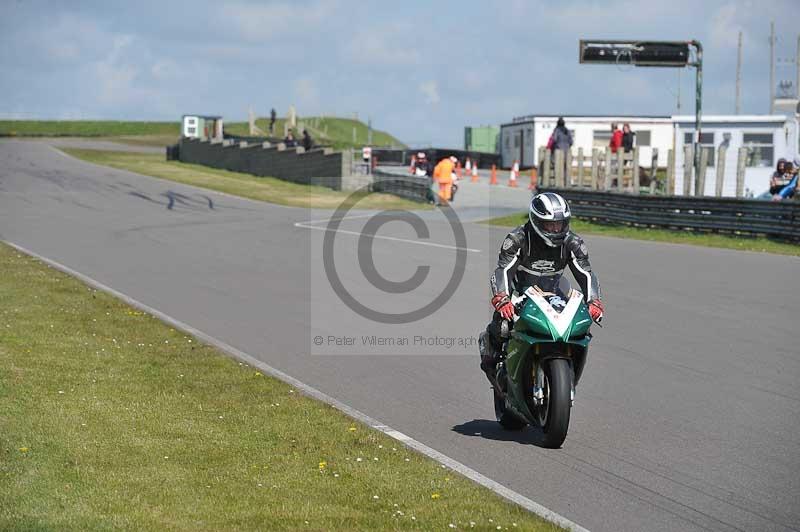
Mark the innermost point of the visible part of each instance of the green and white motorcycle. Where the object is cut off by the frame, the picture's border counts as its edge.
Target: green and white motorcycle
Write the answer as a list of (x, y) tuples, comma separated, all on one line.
[(541, 362)]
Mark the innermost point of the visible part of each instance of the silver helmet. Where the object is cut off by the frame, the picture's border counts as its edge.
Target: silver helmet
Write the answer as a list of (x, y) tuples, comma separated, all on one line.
[(549, 216)]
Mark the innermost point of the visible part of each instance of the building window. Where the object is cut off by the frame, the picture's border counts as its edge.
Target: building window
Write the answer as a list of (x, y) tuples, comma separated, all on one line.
[(516, 139), (529, 137), (706, 141), (506, 140), (191, 130), (760, 150), (601, 138), (643, 137)]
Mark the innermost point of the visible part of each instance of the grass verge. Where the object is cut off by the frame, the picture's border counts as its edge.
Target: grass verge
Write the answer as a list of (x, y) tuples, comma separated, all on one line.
[(111, 419), (662, 235), (86, 128), (258, 188), (333, 131)]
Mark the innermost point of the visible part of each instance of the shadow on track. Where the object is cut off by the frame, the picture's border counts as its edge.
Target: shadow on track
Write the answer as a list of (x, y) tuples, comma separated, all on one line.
[(491, 430)]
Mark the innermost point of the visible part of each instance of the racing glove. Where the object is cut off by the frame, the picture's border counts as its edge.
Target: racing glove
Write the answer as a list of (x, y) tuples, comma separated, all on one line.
[(596, 310), (503, 305)]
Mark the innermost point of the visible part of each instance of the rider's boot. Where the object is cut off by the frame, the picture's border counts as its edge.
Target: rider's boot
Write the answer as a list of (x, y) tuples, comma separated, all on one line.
[(489, 354)]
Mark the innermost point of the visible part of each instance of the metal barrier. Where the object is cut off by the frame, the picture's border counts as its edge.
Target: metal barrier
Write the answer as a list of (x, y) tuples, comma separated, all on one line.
[(402, 157), (779, 220), (406, 186)]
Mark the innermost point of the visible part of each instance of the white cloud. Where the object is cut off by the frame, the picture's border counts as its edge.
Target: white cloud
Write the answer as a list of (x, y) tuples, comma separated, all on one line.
[(725, 26), (261, 22), (388, 46), (430, 89), (307, 94)]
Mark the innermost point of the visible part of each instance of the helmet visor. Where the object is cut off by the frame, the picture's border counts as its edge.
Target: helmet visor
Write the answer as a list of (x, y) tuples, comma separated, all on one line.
[(553, 226)]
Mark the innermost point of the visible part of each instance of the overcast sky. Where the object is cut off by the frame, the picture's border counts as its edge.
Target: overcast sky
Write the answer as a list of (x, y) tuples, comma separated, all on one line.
[(419, 70)]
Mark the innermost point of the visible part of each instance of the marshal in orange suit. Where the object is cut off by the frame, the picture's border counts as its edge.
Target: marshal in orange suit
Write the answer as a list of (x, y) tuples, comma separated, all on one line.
[(443, 174)]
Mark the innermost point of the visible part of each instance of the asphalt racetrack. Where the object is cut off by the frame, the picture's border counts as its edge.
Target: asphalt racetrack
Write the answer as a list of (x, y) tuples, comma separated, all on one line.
[(688, 414)]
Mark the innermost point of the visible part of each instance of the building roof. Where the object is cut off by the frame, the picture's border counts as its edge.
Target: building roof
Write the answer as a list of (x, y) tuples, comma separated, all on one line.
[(674, 119), (589, 118), (205, 117), (731, 119)]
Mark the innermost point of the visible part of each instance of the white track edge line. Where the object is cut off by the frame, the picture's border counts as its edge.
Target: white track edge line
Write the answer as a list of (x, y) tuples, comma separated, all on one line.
[(310, 391)]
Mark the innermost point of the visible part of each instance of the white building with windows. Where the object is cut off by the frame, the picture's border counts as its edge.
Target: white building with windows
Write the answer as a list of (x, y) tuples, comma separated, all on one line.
[(766, 137), (201, 127), (521, 139)]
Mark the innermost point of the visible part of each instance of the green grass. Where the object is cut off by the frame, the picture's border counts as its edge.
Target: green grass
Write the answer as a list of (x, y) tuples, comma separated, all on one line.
[(662, 235), (245, 185), (111, 419), (331, 131), (86, 128)]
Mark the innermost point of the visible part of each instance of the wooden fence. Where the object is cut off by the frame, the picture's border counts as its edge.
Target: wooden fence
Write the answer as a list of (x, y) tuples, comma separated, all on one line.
[(622, 172)]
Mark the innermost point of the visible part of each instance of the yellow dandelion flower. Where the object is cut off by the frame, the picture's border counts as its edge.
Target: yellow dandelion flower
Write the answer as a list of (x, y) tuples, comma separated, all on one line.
[(23, 449), (323, 465), (352, 429), (435, 496)]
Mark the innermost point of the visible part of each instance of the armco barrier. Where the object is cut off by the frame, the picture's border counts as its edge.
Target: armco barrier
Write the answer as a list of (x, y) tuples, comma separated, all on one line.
[(323, 167), (406, 186), (402, 157), (779, 220)]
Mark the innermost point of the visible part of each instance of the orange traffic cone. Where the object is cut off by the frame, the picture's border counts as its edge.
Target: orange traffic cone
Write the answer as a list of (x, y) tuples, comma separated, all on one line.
[(532, 186), (512, 177), (475, 173), (493, 180)]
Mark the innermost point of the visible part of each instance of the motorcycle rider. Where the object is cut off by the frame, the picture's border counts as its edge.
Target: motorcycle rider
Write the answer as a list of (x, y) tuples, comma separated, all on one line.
[(422, 167), (536, 253)]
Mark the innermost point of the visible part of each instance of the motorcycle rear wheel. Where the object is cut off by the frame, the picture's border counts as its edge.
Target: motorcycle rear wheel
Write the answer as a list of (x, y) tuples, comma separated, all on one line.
[(558, 387)]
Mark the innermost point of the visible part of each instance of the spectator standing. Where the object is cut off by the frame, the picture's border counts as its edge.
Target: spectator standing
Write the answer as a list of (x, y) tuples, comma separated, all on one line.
[(561, 140), (628, 138), (616, 138), (307, 142), (272, 116)]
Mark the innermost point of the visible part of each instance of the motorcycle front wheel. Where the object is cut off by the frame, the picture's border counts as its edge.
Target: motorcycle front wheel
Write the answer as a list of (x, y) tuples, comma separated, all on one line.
[(553, 413)]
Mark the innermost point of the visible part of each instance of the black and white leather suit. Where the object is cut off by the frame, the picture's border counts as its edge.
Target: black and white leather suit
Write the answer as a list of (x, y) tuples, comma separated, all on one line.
[(526, 260)]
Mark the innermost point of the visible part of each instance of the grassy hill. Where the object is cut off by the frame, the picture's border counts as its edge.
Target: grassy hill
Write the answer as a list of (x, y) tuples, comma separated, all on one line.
[(331, 131)]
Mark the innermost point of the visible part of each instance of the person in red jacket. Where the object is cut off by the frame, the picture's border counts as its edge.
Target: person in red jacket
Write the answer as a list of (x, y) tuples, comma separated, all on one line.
[(616, 138)]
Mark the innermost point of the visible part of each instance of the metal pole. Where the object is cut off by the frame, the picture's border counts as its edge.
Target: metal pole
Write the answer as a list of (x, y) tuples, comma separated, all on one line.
[(739, 76), (698, 103), (797, 67), (771, 67)]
